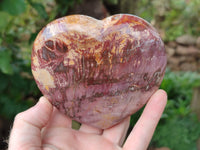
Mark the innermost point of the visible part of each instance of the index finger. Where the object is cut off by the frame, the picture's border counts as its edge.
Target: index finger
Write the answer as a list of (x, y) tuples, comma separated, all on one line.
[(26, 131), (142, 133)]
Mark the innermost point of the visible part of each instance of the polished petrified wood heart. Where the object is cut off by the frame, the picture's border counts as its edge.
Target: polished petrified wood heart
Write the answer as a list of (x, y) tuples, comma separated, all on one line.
[(98, 71)]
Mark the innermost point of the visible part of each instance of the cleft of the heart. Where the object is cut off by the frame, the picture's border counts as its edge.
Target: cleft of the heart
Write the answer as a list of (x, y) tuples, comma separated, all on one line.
[(98, 72)]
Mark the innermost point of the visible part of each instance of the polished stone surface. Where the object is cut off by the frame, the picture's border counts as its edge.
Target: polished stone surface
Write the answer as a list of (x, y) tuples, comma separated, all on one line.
[(98, 72)]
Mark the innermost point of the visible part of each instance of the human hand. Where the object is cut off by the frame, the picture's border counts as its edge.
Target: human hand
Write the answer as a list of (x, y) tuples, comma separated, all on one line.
[(43, 127)]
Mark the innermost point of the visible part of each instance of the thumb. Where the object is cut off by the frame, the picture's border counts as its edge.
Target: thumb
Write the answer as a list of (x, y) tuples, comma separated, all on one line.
[(26, 132)]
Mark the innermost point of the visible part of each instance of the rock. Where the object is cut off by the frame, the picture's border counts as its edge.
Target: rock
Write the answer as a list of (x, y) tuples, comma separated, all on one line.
[(160, 31), (188, 66), (191, 50), (173, 63), (198, 42), (172, 44), (98, 72), (172, 67), (170, 51), (187, 59), (186, 40), (173, 60)]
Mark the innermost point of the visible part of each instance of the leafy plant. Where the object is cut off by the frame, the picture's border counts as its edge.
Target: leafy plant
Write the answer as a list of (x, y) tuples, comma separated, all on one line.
[(20, 22), (178, 124), (17, 89), (178, 133), (13, 7), (39, 8), (63, 6), (174, 17), (17, 94), (179, 85), (5, 59)]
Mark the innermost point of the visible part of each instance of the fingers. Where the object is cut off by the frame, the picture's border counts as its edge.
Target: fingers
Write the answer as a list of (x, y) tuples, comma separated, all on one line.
[(59, 120), (89, 129), (143, 131), (117, 133), (28, 124)]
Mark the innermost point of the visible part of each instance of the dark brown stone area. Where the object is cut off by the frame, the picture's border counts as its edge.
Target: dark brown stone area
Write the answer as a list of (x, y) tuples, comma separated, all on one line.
[(184, 54)]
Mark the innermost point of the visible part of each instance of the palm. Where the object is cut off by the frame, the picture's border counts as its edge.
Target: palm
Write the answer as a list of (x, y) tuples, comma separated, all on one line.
[(44, 128), (59, 130)]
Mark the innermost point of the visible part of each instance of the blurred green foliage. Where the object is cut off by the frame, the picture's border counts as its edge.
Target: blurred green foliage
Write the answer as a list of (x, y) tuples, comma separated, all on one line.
[(17, 88), (13, 7), (178, 132), (64, 5), (178, 124), (179, 85), (20, 22), (174, 17)]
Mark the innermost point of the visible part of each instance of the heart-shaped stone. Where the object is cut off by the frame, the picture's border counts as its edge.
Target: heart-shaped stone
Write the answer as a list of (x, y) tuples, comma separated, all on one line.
[(98, 72)]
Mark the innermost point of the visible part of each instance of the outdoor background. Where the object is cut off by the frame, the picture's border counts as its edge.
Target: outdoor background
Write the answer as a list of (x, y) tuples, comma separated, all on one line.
[(177, 21)]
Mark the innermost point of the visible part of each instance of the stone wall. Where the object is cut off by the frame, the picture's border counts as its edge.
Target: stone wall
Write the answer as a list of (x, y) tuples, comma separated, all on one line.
[(184, 53)]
